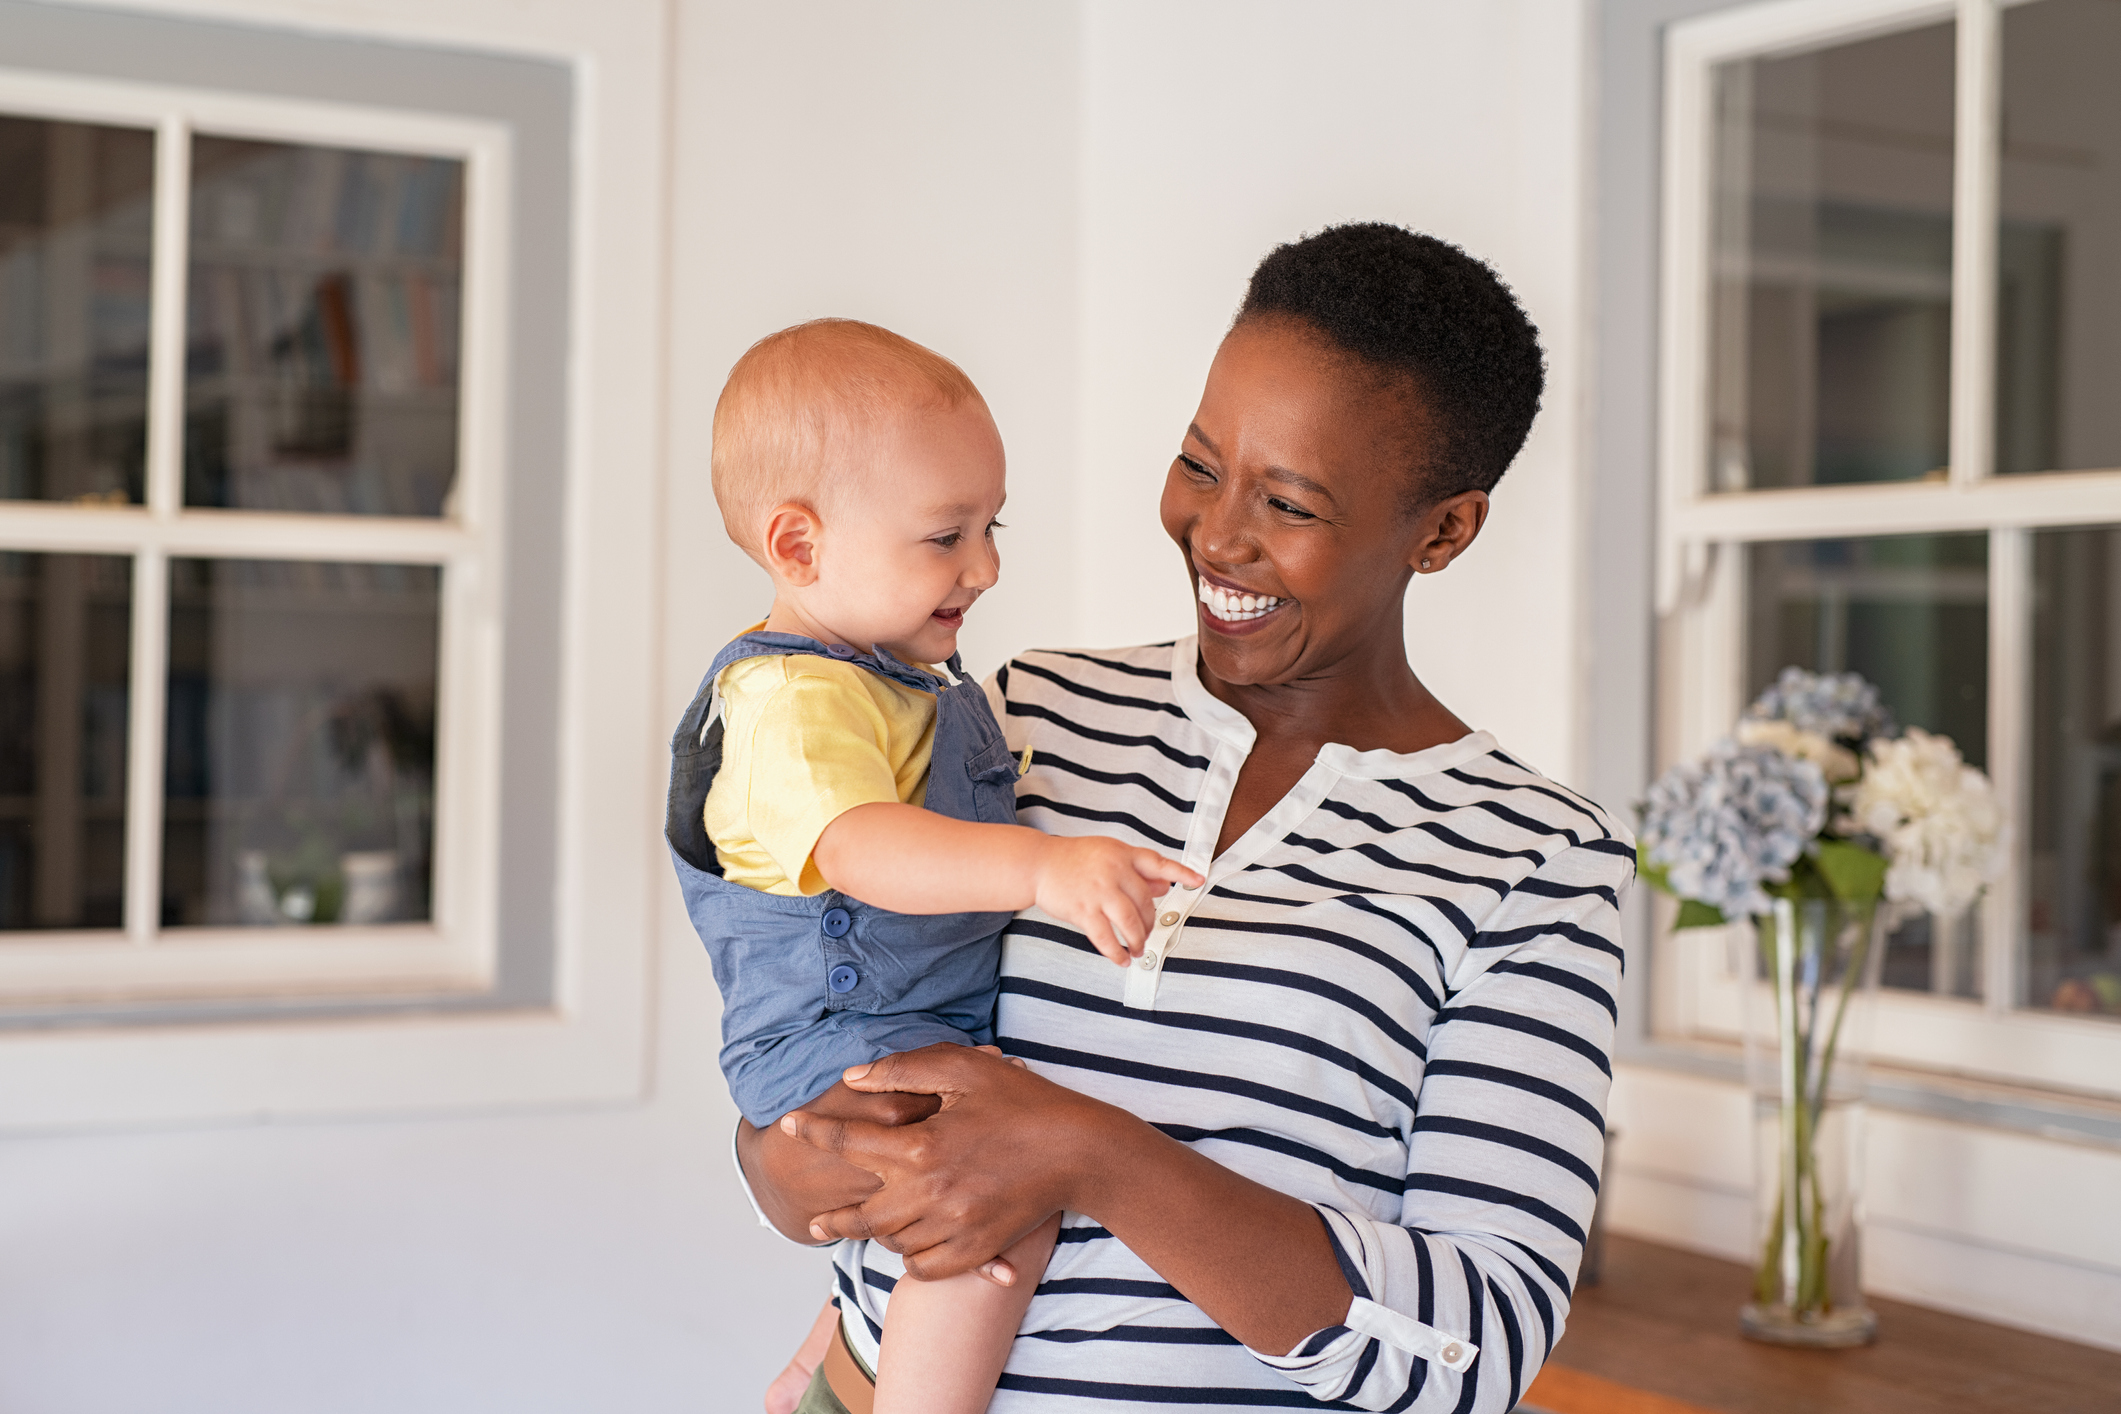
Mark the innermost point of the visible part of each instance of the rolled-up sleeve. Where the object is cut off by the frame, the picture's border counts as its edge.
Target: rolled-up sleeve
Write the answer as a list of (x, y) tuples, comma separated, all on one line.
[(1459, 1303)]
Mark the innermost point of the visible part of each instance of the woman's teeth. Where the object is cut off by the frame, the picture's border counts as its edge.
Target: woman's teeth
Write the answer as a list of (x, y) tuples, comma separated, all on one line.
[(1235, 608)]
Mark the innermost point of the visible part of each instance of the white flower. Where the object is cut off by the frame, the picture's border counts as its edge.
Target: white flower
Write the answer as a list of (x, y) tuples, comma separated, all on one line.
[(1738, 817), (1836, 762), (1937, 817)]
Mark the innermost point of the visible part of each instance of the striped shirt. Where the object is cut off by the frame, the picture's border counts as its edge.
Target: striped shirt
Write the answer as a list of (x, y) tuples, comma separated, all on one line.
[(1394, 999)]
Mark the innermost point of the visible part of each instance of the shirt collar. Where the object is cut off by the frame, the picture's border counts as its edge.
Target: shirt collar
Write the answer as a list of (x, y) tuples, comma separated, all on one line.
[(1224, 722)]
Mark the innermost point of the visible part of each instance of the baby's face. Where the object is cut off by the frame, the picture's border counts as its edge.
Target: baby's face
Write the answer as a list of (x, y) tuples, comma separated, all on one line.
[(909, 547)]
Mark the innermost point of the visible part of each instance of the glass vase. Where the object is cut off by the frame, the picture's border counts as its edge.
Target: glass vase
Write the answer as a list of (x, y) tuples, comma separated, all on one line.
[(1807, 1040)]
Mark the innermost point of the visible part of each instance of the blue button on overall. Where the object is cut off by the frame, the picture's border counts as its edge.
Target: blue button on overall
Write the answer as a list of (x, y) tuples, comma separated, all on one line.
[(836, 922), (839, 650), (842, 978)]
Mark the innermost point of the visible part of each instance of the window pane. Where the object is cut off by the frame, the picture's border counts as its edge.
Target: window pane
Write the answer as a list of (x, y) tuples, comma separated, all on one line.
[(65, 645), (300, 777), (2059, 295), (1910, 613), (325, 293), (1832, 264), (2073, 940), (76, 240)]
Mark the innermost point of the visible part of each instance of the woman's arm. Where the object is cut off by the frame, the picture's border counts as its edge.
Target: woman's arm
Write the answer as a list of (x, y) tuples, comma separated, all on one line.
[(1009, 1148), (1453, 1305)]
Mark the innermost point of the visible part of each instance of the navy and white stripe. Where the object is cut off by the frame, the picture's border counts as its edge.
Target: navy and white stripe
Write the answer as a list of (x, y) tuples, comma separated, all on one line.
[(1395, 1001)]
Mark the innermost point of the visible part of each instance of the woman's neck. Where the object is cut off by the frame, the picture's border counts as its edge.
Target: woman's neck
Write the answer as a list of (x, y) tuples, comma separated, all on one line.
[(1367, 702)]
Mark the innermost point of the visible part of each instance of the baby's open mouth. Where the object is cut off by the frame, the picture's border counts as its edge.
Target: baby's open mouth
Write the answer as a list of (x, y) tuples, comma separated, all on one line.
[(951, 618), (1232, 607)]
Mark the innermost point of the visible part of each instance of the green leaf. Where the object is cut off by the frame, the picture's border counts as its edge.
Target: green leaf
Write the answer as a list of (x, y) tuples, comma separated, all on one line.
[(1855, 874), (1655, 875), (1693, 913)]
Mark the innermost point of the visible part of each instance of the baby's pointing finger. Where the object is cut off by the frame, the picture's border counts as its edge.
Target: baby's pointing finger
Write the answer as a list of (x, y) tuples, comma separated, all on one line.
[(1151, 865), (1131, 924), (1100, 936)]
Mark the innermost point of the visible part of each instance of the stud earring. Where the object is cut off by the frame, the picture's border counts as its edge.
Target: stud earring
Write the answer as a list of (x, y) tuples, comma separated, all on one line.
[(1424, 564)]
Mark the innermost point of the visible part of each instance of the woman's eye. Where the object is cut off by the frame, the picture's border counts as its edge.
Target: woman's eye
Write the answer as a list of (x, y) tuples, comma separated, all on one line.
[(1196, 468), (1288, 510)]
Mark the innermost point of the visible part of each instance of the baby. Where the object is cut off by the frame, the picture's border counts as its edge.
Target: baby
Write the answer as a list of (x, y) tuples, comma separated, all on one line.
[(842, 811)]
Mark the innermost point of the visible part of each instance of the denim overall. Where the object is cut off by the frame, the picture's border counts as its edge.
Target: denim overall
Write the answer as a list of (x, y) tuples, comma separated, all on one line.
[(813, 985)]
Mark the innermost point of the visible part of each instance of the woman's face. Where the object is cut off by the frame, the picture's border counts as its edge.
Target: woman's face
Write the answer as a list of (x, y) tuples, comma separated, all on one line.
[(1288, 500)]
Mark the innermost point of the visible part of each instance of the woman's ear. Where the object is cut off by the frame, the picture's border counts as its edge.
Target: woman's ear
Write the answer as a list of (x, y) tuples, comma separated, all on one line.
[(1447, 529), (794, 535)]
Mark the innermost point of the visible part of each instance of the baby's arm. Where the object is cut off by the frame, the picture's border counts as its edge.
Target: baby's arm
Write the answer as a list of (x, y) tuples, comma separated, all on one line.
[(912, 860)]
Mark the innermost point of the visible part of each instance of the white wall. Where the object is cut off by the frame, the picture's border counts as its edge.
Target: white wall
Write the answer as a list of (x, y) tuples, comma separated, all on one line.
[(1065, 198), (912, 164), (1214, 131)]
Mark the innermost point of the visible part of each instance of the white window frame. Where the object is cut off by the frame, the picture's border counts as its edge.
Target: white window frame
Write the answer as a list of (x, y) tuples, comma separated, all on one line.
[(1701, 536), (456, 951)]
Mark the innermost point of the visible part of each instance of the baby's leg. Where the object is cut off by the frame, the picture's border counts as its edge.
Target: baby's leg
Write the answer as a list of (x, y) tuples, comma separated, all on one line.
[(945, 1341)]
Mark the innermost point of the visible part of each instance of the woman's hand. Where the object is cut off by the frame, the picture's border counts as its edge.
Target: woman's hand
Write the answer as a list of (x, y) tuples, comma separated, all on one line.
[(793, 1181), (1007, 1148), (1003, 1153)]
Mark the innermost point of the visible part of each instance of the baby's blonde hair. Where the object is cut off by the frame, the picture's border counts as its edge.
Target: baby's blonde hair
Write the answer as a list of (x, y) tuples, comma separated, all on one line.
[(796, 398)]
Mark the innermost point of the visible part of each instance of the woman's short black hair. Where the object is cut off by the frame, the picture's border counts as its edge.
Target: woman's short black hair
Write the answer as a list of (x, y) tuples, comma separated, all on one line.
[(1411, 304)]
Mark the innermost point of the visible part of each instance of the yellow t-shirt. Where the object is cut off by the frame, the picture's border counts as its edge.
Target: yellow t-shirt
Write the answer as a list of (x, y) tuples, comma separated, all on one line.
[(805, 739)]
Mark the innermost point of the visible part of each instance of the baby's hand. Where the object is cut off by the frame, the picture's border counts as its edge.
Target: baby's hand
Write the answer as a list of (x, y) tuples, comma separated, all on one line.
[(1107, 889)]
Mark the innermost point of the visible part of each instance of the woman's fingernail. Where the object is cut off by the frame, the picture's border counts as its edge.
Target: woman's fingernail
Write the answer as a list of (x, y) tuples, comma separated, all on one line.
[(819, 1233), (854, 1072), (788, 1124)]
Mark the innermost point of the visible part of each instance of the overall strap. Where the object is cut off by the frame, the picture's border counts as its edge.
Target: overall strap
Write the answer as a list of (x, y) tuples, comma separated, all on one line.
[(763, 644)]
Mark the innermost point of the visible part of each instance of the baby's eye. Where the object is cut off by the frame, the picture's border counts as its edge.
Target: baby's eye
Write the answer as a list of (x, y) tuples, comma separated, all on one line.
[(949, 541), (994, 525)]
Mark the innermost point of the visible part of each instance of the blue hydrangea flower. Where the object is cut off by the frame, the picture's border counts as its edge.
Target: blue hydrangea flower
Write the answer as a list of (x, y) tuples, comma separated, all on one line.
[(1739, 817), (1839, 706)]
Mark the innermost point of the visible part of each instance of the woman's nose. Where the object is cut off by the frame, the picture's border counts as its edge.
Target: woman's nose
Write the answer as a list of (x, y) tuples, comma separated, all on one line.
[(1217, 532)]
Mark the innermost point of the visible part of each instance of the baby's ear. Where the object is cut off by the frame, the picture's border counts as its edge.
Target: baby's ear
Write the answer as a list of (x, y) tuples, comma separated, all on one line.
[(789, 548)]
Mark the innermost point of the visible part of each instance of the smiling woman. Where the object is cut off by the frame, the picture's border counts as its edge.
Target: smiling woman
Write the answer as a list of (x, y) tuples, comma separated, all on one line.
[(1335, 1132)]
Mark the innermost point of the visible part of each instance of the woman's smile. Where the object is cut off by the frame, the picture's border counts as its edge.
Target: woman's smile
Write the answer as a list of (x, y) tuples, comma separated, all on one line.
[(1229, 608)]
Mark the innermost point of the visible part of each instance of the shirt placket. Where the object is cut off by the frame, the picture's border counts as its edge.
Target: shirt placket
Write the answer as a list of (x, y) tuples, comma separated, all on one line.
[(1177, 906)]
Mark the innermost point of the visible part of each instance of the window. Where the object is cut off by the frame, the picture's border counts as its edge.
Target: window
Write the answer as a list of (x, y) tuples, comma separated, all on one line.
[(1890, 441), (250, 416)]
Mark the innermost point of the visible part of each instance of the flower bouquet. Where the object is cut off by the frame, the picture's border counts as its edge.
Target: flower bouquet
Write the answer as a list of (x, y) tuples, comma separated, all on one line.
[(1822, 824)]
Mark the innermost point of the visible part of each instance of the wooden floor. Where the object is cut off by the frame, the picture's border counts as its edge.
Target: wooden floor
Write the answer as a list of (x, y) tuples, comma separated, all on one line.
[(1660, 1336)]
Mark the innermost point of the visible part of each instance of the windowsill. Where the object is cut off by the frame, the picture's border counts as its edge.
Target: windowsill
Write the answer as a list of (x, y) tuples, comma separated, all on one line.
[(2049, 1114), (1662, 1326)]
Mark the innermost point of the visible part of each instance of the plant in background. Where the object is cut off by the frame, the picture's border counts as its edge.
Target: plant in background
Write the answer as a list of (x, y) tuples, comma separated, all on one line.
[(1752, 820), (1752, 831)]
